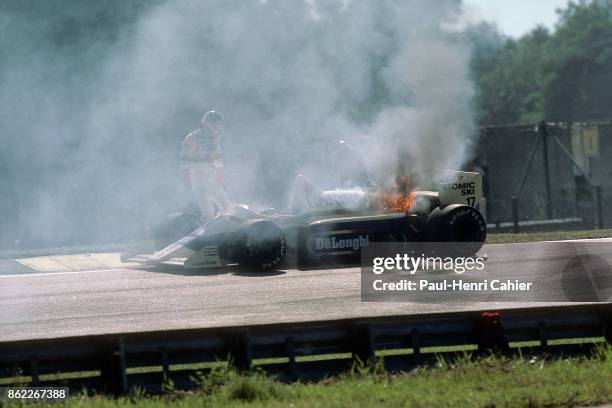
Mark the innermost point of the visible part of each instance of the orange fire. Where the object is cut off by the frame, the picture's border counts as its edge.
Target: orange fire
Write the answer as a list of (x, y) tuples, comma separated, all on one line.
[(400, 197), (397, 201)]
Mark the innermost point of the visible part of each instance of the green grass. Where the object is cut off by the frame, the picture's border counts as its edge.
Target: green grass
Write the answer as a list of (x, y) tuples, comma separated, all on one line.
[(484, 382), (547, 236)]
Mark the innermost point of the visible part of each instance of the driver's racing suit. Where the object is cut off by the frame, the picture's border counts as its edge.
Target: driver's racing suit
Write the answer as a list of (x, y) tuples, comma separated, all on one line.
[(202, 170)]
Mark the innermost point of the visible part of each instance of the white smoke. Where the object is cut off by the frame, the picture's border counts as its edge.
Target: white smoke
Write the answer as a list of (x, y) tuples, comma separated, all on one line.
[(291, 77), (434, 130)]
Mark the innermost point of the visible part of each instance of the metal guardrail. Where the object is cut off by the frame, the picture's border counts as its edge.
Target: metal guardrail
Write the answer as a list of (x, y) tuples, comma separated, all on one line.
[(564, 224), (114, 363)]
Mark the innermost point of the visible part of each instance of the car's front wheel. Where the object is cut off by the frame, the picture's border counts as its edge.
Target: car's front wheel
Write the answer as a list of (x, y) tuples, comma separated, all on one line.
[(263, 246)]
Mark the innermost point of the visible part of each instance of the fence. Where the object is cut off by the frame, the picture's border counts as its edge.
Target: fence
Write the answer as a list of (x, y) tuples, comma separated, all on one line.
[(556, 171), (116, 363)]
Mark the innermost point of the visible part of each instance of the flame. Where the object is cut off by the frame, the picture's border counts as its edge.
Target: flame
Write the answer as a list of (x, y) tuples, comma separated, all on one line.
[(399, 197), (397, 201)]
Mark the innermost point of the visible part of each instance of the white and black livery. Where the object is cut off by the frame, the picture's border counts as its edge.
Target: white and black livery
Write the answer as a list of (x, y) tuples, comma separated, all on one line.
[(322, 236)]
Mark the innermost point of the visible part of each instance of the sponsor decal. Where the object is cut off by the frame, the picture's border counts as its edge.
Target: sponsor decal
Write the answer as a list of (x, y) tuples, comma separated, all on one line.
[(341, 243), (460, 188), (467, 188), (471, 213), (207, 258)]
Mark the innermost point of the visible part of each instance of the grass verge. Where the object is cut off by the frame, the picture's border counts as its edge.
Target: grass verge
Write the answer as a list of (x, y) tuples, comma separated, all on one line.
[(484, 382), (547, 236)]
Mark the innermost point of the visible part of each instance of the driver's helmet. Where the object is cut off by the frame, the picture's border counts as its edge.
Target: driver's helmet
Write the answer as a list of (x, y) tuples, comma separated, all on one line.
[(212, 120)]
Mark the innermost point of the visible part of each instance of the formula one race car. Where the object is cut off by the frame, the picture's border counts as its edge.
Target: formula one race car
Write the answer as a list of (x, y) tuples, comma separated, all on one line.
[(327, 235)]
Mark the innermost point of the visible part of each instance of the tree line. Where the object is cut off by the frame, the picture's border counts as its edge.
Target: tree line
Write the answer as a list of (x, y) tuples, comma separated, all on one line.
[(563, 75)]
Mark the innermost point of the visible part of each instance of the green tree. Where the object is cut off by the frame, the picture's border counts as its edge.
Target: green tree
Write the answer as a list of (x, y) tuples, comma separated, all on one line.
[(564, 75), (510, 80), (580, 86)]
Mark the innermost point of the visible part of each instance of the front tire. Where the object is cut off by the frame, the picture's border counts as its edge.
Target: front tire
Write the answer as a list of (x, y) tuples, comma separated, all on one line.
[(263, 247)]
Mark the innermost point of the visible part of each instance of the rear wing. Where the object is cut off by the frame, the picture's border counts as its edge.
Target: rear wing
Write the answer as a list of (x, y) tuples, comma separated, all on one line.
[(460, 187)]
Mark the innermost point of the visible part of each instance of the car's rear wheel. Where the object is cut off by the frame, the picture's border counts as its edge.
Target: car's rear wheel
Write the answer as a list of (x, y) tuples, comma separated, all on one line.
[(461, 229), (263, 246)]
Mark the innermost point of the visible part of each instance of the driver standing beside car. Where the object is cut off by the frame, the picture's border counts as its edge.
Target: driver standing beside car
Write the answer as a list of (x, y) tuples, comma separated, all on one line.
[(202, 166)]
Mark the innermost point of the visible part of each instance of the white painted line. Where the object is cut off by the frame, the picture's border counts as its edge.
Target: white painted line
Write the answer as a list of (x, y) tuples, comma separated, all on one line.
[(601, 240), (61, 273), (607, 239)]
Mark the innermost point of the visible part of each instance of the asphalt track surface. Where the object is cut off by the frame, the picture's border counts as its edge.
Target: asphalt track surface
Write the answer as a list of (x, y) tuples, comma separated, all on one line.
[(68, 297)]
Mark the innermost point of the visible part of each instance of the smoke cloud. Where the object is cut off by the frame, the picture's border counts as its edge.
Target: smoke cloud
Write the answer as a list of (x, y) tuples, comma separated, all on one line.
[(95, 98)]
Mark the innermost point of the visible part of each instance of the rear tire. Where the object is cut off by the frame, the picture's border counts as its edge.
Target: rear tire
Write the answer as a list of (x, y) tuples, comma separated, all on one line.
[(462, 226)]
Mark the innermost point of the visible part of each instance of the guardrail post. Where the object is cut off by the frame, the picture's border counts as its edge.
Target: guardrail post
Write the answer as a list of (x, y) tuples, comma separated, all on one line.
[(293, 374), (415, 343), (34, 371), (608, 329), (492, 334), (543, 335), (165, 365), (363, 344), (515, 216), (114, 368), (240, 355)]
